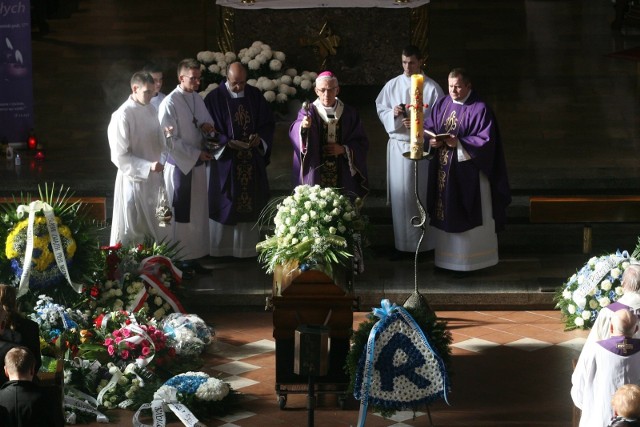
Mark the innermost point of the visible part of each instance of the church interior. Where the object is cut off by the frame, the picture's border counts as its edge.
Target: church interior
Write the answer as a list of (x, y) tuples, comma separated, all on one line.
[(564, 87)]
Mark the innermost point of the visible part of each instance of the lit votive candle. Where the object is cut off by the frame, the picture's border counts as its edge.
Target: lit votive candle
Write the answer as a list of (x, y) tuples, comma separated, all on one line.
[(416, 148)]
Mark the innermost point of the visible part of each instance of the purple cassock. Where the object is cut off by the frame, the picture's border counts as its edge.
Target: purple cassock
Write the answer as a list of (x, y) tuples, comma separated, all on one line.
[(238, 185), (453, 197), (311, 167)]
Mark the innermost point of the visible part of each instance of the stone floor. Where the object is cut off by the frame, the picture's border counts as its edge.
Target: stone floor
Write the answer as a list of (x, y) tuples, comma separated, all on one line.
[(510, 368)]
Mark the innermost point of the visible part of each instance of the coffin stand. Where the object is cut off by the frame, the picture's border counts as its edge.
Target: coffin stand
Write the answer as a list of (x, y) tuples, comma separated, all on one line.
[(303, 300)]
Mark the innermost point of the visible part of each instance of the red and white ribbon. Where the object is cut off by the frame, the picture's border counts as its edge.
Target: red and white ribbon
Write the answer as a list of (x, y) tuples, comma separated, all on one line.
[(149, 272)]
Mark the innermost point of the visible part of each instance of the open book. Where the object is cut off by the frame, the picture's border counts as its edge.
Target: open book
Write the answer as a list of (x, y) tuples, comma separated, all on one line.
[(438, 137)]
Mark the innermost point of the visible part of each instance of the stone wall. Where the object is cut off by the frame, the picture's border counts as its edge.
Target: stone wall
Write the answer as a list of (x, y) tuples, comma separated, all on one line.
[(368, 50)]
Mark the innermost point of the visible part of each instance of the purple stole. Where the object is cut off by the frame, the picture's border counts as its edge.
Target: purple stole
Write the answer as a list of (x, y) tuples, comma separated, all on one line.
[(182, 192), (622, 346)]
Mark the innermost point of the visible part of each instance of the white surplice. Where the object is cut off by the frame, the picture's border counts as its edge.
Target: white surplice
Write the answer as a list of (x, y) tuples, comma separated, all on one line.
[(400, 170), (136, 142), (597, 376), (179, 109)]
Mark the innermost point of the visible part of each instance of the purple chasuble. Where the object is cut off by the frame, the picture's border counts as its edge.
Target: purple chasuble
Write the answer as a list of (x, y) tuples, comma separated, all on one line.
[(622, 346), (453, 196), (238, 185), (311, 167)]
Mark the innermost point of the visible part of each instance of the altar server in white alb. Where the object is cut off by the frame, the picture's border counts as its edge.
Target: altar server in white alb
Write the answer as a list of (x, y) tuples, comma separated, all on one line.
[(138, 149), (603, 367), (391, 105), (186, 176)]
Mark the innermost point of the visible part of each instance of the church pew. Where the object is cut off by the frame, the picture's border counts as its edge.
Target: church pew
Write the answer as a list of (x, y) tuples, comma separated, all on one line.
[(584, 210)]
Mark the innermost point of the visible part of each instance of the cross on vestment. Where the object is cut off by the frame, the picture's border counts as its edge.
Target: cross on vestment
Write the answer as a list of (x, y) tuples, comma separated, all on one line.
[(624, 346)]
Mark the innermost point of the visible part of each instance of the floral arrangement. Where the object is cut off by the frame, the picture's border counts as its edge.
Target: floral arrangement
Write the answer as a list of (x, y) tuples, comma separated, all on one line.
[(596, 285), (314, 227), (389, 320), (78, 239), (202, 394), (266, 72), (59, 326), (139, 277), (128, 389), (187, 333), (138, 343)]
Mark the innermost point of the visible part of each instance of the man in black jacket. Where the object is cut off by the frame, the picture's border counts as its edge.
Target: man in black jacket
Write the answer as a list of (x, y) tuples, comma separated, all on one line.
[(26, 404)]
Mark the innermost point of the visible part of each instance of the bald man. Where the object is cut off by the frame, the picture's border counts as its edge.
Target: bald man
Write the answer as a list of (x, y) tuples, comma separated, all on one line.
[(238, 185)]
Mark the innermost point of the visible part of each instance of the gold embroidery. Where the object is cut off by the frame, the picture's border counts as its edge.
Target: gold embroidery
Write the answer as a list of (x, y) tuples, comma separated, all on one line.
[(244, 176), (243, 119)]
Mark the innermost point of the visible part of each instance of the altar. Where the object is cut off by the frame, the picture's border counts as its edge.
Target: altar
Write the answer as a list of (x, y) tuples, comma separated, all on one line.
[(359, 40)]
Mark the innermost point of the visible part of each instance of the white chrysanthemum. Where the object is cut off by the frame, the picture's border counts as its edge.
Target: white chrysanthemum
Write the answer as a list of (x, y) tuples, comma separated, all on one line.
[(592, 261), (292, 91), (261, 58), (218, 56), (294, 241), (157, 301), (270, 96), (254, 64), (571, 309), (313, 75), (605, 285), (159, 313), (281, 98), (586, 314), (296, 80), (270, 84), (593, 304), (604, 301), (619, 290), (280, 56), (275, 65), (291, 72), (256, 44), (229, 57), (566, 294), (579, 321), (206, 57), (304, 217), (287, 80), (283, 88)]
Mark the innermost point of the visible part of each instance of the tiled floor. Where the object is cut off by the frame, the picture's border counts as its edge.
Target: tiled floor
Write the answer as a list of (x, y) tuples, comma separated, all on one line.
[(511, 368)]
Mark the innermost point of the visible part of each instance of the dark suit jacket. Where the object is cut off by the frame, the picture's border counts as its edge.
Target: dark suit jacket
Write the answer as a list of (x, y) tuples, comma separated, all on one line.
[(27, 405)]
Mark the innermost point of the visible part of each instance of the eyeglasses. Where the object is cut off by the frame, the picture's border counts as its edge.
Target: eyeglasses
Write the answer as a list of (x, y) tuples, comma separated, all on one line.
[(328, 89), (192, 78)]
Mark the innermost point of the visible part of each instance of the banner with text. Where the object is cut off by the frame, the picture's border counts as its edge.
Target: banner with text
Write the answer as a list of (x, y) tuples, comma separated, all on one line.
[(16, 91)]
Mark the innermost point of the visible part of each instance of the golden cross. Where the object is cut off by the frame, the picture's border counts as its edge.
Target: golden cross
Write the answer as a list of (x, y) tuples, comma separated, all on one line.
[(325, 43), (624, 346)]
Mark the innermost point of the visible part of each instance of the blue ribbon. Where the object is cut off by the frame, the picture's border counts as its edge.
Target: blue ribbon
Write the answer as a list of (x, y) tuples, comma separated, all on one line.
[(386, 309)]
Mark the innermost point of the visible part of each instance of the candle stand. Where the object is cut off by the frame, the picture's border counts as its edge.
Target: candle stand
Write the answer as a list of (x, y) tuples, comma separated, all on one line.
[(416, 300)]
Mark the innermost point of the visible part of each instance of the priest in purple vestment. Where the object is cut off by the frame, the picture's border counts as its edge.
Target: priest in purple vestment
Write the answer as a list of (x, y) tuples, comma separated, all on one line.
[(238, 185), (468, 191), (329, 143)]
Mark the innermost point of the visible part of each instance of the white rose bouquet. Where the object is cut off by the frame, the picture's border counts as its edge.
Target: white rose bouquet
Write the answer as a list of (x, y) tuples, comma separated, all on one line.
[(314, 226), (596, 285)]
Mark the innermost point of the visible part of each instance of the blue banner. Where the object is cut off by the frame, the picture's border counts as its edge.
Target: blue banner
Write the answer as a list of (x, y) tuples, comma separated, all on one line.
[(16, 91)]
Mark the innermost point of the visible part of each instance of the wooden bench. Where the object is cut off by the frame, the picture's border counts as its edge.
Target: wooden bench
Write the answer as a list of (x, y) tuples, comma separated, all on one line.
[(95, 207), (584, 210)]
